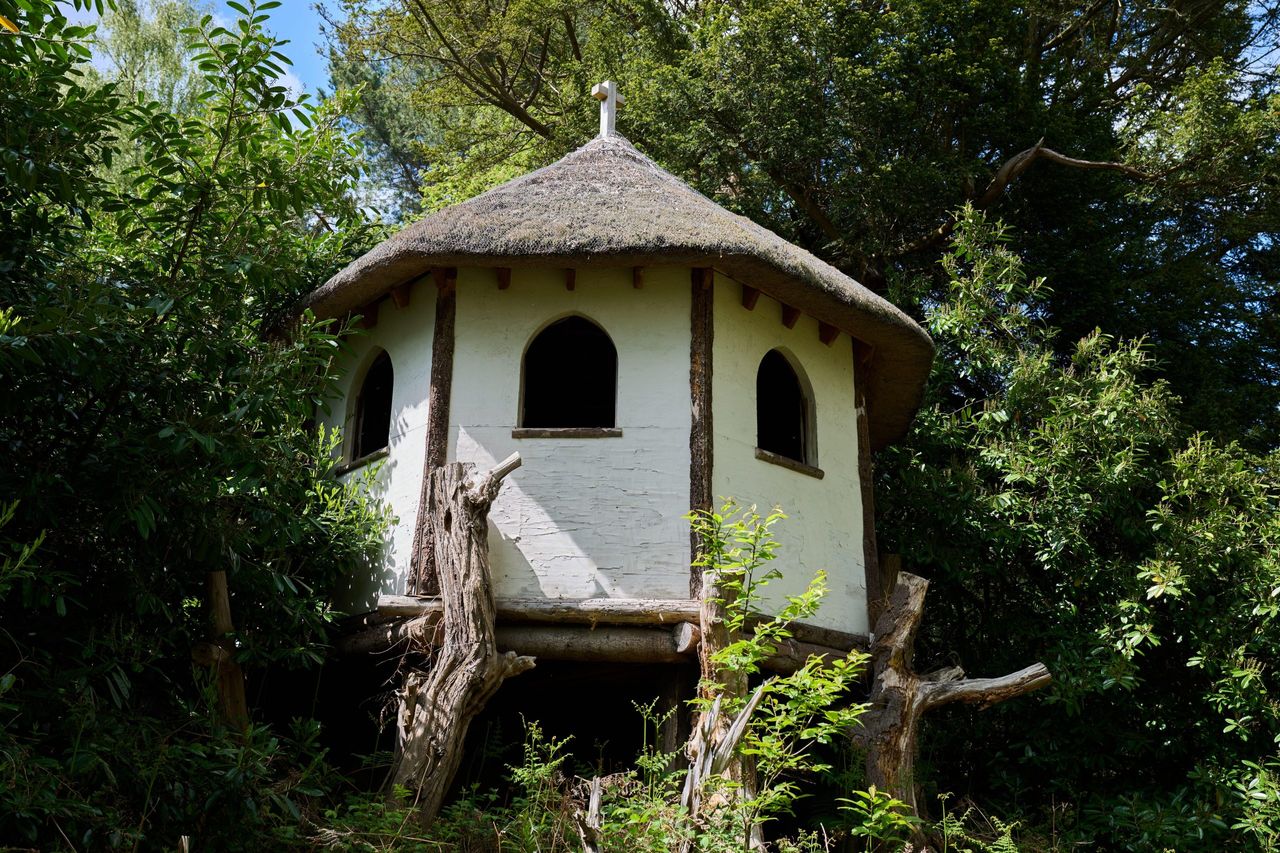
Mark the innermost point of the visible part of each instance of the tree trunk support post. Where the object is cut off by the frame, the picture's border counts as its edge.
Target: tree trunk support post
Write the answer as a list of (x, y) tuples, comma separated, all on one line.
[(437, 707), (422, 569), (899, 697)]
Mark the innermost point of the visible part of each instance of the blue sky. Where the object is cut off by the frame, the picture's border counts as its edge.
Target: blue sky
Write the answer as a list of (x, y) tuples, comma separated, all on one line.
[(295, 20), (298, 21)]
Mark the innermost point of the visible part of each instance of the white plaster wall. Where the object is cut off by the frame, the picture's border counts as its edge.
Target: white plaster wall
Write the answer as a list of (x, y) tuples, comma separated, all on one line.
[(823, 528), (406, 335), (583, 517)]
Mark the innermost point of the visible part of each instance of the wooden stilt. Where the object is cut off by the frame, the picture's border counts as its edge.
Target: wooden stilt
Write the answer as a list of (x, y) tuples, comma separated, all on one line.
[(899, 697), (422, 576)]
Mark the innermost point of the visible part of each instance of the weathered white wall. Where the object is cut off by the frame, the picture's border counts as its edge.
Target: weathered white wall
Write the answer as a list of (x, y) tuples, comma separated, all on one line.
[(406, 335), (604, 517), (823, 529), (582, 517)]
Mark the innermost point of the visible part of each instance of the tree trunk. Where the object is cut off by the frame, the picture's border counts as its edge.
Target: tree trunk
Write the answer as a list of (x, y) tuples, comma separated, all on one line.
[(437, 707), (899, 697), (220, 654)]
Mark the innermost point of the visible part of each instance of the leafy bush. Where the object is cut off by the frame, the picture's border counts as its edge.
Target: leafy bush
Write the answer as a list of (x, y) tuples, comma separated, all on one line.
[(156, 430), (1063, 513)]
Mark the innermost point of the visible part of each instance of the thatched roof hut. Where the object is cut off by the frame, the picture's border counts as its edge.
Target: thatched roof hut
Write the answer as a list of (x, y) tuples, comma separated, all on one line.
[(606, 204)]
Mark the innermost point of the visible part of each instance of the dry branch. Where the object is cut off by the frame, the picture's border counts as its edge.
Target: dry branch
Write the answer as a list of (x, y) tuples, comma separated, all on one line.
[(1008, 172), (589, 822), (899, 697), (437, 707)]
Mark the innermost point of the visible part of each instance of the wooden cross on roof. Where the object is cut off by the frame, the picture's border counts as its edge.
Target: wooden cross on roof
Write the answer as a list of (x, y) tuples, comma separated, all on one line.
[(610, 99)]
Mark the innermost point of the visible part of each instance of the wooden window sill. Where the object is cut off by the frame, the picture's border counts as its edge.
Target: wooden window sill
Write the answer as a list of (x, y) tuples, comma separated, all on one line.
[(791, 464), (566, 432), (367, 459)]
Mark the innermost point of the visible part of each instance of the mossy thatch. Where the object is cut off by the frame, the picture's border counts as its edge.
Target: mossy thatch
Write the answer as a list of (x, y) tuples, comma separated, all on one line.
[(606, 204)]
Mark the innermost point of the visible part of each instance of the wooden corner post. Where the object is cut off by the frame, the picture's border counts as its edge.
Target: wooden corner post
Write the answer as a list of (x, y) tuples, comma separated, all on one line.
[(422, 570), (701, 328), (876, 591)]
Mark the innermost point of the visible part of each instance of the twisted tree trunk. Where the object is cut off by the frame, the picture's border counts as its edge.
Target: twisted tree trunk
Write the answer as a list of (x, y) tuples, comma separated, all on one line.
[(437, 707)]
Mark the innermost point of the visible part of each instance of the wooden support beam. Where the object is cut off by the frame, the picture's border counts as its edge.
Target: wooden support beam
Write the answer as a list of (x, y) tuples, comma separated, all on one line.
[(578, 643), (585, 611), (637, 277), (422, 574), (391, 636), (444, 277), (701, 338), (400, 294), (876, 591), (790, 316), (750, 296), (504, 277), (686, 636), (677, 643), (606, 611), (570, 279), (827, 333), (369, 315)]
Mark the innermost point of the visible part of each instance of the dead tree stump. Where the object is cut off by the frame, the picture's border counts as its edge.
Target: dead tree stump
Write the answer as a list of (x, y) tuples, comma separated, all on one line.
[(436, 707), (899, 697)]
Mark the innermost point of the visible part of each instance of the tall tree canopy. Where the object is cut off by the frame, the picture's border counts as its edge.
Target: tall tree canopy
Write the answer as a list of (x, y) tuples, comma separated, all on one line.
[(1133, 147)]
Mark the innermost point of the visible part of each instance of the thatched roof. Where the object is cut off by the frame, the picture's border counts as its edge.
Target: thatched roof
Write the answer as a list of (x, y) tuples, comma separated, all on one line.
[(606, 204)]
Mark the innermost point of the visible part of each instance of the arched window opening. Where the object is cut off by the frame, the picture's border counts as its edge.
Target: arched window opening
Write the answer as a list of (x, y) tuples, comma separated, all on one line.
[(782, 410), (570, 377), (373, 408)]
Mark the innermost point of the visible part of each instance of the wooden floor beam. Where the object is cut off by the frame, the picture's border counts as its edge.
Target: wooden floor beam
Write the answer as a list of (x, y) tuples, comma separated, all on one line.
[(608, 611)]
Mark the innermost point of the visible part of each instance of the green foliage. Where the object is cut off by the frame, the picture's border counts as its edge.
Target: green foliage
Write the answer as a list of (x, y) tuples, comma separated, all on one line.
[(879, 818), (959, 833), (156, 429), (1063, 513), (799, 712), (856, 129), (1258, 793)]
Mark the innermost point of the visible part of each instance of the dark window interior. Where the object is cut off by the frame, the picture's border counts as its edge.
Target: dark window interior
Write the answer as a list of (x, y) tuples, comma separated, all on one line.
[(781, 408), (570, 376), (373, 408)]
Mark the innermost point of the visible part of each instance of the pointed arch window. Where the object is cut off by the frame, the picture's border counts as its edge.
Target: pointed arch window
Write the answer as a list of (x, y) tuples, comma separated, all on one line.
[(373, 408), (569, 378), (784, 411)]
